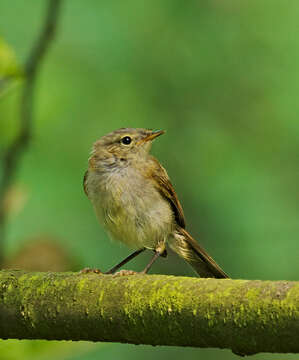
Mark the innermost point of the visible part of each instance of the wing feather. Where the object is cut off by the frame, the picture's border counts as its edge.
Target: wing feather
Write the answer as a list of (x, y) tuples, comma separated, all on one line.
[(162, 183)]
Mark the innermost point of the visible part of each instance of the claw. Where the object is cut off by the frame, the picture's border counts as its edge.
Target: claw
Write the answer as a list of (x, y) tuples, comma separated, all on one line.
[(125, 273)]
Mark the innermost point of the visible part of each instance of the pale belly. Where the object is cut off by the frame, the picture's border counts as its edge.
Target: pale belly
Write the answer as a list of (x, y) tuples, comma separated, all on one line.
[(133, 211)]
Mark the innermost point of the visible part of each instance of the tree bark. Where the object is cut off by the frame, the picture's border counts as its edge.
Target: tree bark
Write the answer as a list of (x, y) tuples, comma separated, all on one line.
[(245, 316)]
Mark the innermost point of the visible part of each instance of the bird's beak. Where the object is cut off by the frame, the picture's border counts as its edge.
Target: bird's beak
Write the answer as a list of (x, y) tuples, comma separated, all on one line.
[(151, 136)]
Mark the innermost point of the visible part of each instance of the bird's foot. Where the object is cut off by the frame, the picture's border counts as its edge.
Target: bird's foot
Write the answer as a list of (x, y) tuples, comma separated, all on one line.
[(125, 273), (89, 270)]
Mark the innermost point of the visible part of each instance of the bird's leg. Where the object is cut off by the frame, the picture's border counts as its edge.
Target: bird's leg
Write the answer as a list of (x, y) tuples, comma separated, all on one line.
[(159, 251), (153, 259), (127, 259), (145, 271), (116, 267)]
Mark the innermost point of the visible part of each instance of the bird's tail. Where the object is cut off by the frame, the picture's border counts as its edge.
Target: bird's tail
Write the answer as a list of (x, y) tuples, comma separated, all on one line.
[(185, 246)]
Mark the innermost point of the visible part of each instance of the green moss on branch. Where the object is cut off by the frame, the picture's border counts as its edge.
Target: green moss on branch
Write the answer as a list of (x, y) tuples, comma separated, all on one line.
[(245, 316)]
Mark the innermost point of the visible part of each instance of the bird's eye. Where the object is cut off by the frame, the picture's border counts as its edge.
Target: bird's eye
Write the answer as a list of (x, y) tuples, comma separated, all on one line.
[(126, 140)]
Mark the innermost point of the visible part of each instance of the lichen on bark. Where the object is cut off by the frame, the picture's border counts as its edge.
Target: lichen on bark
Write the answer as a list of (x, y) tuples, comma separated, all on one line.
[(245, 316)]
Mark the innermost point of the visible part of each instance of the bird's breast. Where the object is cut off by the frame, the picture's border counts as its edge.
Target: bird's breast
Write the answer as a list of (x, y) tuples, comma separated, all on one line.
[(130, 207)]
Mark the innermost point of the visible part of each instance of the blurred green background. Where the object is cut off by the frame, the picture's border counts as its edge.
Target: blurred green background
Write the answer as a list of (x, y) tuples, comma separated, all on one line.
[(221, 77)]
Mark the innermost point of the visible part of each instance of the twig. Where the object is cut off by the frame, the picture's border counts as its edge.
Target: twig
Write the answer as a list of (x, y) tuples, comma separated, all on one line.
[(12, 156)]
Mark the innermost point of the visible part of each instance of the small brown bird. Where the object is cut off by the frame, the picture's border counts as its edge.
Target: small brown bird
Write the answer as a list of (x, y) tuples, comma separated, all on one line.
[(135, 201)]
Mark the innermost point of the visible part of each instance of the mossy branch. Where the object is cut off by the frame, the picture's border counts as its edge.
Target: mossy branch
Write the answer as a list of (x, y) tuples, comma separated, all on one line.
[(245, 316)]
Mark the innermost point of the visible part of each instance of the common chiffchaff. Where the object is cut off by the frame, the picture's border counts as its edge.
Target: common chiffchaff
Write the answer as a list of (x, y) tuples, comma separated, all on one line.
[(135, 201)]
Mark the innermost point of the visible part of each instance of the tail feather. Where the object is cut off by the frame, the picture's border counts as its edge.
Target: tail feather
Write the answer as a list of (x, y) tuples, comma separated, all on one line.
[(189, 249)]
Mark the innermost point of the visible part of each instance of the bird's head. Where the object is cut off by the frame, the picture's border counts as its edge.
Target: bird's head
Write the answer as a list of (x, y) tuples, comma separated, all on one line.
[(122, 146)]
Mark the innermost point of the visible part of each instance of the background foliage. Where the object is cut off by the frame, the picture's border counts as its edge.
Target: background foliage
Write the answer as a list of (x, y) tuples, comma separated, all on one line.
[(220, 77)]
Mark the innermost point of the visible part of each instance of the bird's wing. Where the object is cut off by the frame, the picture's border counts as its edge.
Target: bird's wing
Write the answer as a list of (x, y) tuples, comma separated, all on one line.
[(162, 183)]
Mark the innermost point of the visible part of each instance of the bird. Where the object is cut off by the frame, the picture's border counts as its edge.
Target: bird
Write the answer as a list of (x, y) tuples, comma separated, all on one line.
[(136, 203)]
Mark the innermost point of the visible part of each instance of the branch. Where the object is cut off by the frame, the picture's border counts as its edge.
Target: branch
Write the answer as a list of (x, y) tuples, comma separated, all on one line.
[(13, 154), (245, 316)]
